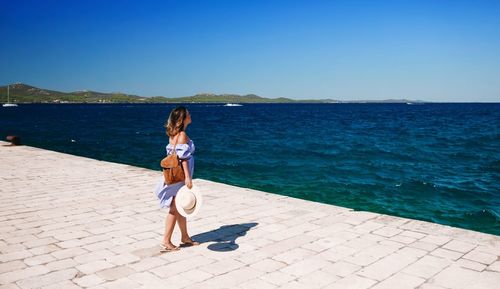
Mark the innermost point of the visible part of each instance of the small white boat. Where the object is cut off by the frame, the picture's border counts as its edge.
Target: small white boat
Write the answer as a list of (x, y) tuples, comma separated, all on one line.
[(232, 104), (8, 104)]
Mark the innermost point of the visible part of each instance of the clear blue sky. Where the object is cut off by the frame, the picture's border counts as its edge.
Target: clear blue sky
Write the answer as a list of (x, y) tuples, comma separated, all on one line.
[(430, 50)]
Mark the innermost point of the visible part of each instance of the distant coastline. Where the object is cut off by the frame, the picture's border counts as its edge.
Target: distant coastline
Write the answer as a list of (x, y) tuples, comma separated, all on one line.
[(23, 93)]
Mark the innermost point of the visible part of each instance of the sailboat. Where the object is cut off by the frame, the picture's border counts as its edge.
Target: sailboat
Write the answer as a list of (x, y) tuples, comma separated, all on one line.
[(8, 104)]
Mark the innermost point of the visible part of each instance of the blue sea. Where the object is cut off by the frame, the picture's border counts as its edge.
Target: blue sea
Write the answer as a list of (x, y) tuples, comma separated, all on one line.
[(432, 162)]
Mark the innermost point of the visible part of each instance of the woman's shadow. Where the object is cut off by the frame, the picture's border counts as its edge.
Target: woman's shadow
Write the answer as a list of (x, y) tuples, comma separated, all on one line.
[(225, 237)]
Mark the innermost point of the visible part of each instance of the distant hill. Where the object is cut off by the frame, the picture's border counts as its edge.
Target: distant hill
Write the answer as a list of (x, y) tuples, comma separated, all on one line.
[(231, 98), (23, 93)]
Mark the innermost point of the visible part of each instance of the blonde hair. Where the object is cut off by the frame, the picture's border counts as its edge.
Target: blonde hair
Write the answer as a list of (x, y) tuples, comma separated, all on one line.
[(175, 122)]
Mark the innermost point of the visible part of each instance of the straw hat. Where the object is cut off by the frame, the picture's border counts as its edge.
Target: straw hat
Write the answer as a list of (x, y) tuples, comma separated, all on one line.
[(188, 201)]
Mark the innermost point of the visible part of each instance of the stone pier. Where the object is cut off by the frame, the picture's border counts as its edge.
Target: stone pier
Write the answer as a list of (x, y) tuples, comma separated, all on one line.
[(74, 222)]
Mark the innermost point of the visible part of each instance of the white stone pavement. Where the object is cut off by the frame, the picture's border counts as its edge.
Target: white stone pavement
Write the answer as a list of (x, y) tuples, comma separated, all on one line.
[(71, 222)]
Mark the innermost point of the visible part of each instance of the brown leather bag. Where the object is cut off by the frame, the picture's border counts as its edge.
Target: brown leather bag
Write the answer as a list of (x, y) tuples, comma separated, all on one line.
[(172, 167)]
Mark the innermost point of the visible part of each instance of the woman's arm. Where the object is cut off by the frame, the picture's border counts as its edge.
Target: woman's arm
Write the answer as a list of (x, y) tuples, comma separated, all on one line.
[(187, 177)]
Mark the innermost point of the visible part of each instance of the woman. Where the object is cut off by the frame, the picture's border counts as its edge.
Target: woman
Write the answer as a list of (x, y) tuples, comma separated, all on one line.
[(176, 126)]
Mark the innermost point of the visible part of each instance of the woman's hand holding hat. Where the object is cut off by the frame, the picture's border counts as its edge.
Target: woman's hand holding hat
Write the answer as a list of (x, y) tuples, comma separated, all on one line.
[(189, 183)]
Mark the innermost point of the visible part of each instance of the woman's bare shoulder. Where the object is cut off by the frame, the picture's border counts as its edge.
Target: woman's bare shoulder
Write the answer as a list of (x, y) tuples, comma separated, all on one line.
[(183, 138)]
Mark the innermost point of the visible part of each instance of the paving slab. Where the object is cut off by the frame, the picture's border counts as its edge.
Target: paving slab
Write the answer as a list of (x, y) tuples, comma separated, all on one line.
[(73, 222)]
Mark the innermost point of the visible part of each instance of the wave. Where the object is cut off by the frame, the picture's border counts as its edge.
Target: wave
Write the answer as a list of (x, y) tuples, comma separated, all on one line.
[(483, 216)]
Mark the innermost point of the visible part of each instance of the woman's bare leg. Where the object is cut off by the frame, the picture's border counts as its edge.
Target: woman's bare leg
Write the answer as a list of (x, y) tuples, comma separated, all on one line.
[(182, 223), (169, 225), (185, 238)]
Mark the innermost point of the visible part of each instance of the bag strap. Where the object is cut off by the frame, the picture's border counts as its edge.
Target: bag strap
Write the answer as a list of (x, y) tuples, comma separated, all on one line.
[(174, 152)]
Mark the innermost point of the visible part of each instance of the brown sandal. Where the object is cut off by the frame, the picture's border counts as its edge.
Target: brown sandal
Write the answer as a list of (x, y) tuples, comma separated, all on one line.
[(189, 243), (165, 249)]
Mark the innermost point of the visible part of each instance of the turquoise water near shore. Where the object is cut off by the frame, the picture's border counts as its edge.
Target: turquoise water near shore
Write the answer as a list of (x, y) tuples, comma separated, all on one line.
[(433, 162)]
